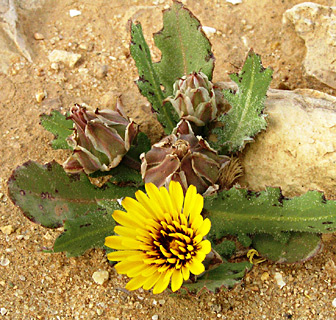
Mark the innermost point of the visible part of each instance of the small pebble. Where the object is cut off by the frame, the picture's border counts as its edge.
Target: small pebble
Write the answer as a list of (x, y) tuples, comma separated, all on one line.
[(74, 13), (55, 66), (68, 58), (99, 312), (278, 278), (101, 71), (4, 262), (334, 303), (7, 229), (208, 30), (38, 36), (264, 276), (40, 96), (234, 1), (3, 311), (100, 276), (162, 301), (155, 317)]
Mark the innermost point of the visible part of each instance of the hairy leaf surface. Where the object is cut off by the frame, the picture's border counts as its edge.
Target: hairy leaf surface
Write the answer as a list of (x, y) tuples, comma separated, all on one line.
[(59, 126), (85, 232), (48, 196), (226, 275), (240, 212), (245, 119)]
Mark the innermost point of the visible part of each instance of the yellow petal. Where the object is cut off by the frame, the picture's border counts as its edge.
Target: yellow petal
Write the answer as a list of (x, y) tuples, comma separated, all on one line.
[(149, 204), (185, 273), (126, 220), (198, 220), (121, 255), (131, 204), (155, 196), (205, 227), (197, 208), (176, 195), (205, 246), (114, 242), (134, 272), (150, 282), (189, 200), (149, 271), (124, 231), (177, 280), (135, 283), (196, 267), (125, 267), (161, 284), (130, 243), (167, 202)]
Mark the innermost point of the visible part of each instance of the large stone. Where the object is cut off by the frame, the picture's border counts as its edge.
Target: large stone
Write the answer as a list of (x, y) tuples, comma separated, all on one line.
[(315, 24), (298, 150)]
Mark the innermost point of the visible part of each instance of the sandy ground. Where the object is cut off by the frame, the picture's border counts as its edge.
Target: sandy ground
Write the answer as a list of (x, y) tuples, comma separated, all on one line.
[(36, 285)]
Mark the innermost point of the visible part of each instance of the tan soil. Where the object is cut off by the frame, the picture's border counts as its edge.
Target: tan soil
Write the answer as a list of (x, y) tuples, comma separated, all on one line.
[(37, 285)]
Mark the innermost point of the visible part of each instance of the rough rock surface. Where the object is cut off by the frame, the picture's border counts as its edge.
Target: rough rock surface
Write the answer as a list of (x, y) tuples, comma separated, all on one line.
[(315, 24), (298, 150)]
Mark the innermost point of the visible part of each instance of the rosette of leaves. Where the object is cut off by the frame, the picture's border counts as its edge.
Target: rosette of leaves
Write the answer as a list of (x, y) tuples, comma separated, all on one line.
[(194, 99), (185, 158), (100, 139)]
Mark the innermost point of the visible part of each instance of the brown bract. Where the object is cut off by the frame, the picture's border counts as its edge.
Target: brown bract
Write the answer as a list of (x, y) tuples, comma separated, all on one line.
[(185, 158), (100, 139)]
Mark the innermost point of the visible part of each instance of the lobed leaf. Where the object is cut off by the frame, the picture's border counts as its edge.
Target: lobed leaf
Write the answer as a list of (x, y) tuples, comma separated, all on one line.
[(300, 246), (241, 212), (226, 275), (48, 196), (245, 119), (59, 126), (184, 47), (86, 232)]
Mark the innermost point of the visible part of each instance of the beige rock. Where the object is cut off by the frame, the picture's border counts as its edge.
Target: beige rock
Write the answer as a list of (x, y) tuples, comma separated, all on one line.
[(7, 229), (315, 24), (68, 58), (298, 150), (100, 276)]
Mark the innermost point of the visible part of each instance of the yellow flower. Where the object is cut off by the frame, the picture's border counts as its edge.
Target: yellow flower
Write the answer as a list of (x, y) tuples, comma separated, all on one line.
[(160, 238)]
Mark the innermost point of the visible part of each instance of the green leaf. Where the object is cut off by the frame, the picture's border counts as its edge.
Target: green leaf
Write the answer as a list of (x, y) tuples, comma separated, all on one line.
[(184, 47), (245, 119), (59, 126), (300, 246), (239, 211), (48, 196), (225, 275), (226, 248), (142, 144), (85, 232), (149, 82)]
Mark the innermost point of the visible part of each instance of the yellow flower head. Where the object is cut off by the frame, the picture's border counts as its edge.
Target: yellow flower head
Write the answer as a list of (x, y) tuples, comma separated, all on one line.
[(160, 237)]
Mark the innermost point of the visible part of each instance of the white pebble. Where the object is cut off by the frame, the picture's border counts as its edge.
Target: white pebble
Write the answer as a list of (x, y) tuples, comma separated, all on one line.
[(155, 317), (100, 276), (209, 30), (74, 13), (39, 96), (4, 262), (3, 311), (234, 1), (334, 303), (278, 278), (68, 58)]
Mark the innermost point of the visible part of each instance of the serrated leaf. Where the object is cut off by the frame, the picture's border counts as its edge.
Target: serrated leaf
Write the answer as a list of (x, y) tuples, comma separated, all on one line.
[(48, 196), (149, 82), (85, 232), (59, 126), (239, 211), (245, 119), (300, 246), (142, 144), (184, 47), (226, 275)]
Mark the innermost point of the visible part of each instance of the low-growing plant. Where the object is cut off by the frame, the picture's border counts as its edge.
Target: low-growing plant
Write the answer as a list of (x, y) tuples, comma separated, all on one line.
[(180, 209)]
